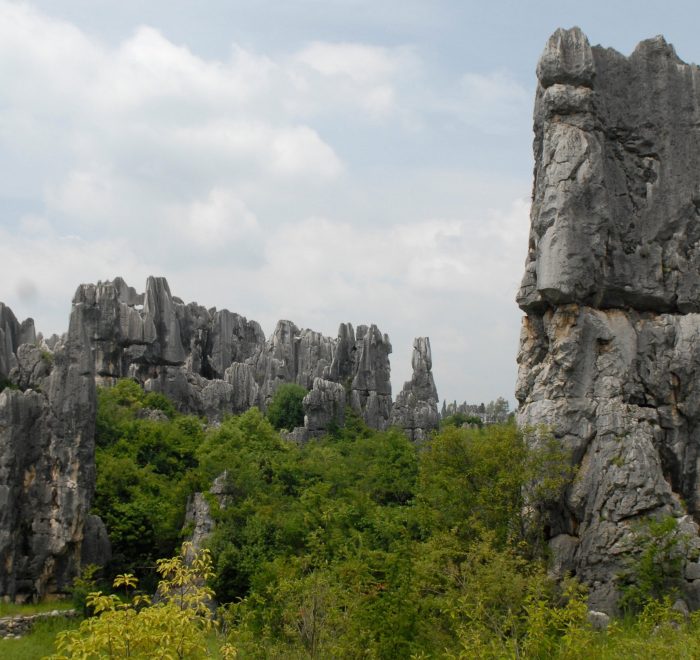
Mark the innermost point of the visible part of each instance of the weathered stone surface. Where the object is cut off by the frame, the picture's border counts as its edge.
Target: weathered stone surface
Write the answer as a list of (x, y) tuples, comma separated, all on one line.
[(231, 338), (610, 346), (32, 366), (214, 363), (277, 362), (246, 391), (198, 519), (616, 200), (14, 627), (370, 393), (47, 467), (598, 620), (324, 407), (96, 548), (199, 523), (12, 335), (415, 409)]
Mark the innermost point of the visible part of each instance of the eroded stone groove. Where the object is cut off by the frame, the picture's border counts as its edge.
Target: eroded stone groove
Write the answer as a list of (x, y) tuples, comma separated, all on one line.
[(610, 347)]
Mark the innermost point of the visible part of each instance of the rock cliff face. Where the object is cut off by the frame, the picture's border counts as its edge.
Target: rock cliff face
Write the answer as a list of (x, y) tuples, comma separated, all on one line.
[(610, 346), (47, 465), (415, 409), (213, 362)]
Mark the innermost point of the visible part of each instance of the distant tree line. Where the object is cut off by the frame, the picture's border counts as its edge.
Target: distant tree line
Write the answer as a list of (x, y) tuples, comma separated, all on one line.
[(494, 412)]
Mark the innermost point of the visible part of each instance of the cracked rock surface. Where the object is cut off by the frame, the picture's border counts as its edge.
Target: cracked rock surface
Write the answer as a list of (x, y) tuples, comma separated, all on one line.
[(610, 345)]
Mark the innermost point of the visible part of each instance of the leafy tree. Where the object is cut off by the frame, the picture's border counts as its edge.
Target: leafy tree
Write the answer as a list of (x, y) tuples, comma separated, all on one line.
[(83, 586), (462, 419), (175, 627), (497, 411), (146, 468), (286, 410)]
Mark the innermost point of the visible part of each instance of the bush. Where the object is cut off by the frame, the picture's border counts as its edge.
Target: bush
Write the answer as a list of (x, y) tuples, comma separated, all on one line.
[(462, 419), (158, 401), (83, 585), (7, 384), (176, 626), (286, 410), (146, 469), (657, 571)]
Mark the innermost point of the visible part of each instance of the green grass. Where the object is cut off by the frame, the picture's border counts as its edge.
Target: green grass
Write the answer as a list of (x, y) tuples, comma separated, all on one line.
[(12, 609), (39, 643)]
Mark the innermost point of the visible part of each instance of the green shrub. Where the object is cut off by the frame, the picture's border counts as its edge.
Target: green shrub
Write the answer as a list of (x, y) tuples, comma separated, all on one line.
[(85, 583), (7, 384), (158, 401), (286, 410), (462, 419), (657, 570)]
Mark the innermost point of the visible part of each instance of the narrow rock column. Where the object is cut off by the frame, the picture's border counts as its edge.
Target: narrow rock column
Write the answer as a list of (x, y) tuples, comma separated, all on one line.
[(415, 409), (610, 346)]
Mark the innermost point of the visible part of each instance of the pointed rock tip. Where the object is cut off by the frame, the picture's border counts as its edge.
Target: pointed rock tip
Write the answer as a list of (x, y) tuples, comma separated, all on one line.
[(656, 46)]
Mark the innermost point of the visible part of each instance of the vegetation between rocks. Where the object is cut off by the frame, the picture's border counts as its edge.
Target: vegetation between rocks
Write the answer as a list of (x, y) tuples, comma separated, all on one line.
[(357, 545)]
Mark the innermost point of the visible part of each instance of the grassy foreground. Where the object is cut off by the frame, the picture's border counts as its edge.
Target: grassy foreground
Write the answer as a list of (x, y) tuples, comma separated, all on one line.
[(39, 643)]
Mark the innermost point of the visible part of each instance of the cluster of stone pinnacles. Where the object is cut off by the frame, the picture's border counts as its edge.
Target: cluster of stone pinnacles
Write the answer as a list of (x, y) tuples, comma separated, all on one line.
[(208, 362)]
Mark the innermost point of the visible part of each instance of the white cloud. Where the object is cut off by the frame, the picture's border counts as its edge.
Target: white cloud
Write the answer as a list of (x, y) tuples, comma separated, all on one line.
[(220, 220), (234, 178), (493, 102), (359, 62)]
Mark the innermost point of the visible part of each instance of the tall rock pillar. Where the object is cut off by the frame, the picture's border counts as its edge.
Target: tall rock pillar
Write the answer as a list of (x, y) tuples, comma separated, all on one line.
[(610, 345), (47, 464)]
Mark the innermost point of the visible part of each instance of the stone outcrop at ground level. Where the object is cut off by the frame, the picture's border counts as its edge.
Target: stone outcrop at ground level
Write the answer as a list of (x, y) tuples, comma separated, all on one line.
[(610, 347), (47, 463)]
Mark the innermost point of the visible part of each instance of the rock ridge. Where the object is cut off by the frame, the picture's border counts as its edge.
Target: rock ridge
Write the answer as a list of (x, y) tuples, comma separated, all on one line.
[(215, 362)]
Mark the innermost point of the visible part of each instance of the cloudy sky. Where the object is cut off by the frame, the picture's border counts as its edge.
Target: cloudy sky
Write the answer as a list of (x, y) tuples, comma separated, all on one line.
[(317, 160)]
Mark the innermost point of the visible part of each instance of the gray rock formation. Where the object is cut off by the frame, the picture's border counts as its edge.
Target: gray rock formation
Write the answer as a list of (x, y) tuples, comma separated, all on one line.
[(47, 466), (610, 347), (415, 409), (199, 523), (324, 407), (12, 335), (231, 338), (214, 363), (370, 389), (96, 548)]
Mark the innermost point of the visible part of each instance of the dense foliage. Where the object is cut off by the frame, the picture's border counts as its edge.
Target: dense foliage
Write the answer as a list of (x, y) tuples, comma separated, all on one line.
[(359, 544), (146, 468), (286, 410)]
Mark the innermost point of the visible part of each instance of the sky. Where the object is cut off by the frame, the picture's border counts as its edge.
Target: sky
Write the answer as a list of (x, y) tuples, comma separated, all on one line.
[(321, 161)]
